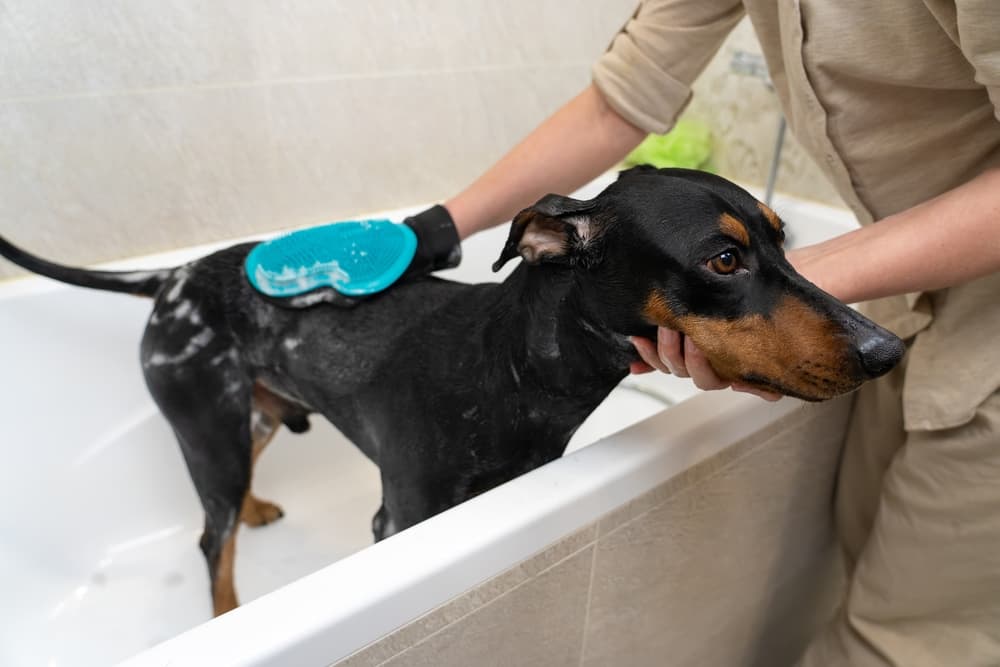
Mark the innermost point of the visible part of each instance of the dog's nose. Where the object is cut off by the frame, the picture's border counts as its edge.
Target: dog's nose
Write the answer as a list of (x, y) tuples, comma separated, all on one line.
[(879, 352)]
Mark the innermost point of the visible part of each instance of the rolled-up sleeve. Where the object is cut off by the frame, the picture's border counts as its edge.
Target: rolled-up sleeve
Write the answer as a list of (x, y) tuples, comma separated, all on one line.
[(979, 38), (647, 72)]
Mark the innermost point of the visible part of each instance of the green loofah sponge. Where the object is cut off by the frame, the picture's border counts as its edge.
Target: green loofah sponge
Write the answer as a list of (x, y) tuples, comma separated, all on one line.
[(688, 145)]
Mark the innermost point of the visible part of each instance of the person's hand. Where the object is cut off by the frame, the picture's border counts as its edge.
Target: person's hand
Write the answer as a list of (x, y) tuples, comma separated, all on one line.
[(675, 353), (438, 244)]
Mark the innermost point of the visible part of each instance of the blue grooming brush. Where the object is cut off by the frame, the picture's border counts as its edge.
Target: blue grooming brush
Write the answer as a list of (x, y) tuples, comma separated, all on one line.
[(354, 257)]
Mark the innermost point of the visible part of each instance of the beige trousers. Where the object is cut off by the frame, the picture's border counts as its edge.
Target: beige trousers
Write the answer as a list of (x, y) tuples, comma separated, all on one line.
[(918, 514)]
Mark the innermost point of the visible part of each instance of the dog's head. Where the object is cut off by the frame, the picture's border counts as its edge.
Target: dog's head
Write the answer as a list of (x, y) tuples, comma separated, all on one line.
[(694, 252)]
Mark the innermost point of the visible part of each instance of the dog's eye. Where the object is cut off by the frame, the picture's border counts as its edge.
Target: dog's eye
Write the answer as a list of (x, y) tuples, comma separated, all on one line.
[(725, 262)]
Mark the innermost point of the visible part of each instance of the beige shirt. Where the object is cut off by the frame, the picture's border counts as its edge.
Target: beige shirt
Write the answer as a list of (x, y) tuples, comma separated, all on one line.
[(897, 100)]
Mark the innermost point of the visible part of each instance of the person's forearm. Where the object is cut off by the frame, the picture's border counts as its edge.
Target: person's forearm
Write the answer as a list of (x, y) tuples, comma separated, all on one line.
[(945, 241), (577, 143)]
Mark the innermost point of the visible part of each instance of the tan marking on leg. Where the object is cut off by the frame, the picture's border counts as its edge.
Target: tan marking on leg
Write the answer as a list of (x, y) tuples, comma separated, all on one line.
[(223, 591), (266, 432), (771, 216), (254, 511), (268, 402), (734, 229)]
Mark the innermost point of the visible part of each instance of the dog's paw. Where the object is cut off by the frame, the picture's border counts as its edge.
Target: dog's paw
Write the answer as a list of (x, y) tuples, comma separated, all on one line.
[(257, 512)]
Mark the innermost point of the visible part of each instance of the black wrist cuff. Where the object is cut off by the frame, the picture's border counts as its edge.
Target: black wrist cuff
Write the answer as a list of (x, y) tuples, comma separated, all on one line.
[(438, 245)]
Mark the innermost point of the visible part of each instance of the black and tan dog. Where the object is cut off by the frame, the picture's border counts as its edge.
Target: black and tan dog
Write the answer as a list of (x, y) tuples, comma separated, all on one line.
[(452, 389)]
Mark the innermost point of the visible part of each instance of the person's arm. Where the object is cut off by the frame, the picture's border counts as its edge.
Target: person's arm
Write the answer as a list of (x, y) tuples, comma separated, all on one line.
[(583, 139), (945, 241), (640, 85)]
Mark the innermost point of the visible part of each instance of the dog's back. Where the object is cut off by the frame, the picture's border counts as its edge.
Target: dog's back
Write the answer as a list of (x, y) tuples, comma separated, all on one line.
[(340, 348), (341, 362)]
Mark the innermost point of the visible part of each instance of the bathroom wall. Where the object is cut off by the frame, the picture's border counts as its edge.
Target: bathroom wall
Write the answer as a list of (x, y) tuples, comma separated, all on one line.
[(131, 128), (744, 114), (731, 563)]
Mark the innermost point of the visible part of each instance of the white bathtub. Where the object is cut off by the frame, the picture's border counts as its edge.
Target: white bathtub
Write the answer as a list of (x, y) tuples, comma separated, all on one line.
[(100, 522)]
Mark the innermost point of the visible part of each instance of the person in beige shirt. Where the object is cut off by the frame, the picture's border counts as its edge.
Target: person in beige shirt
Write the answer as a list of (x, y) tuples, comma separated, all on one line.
[(899, 102)]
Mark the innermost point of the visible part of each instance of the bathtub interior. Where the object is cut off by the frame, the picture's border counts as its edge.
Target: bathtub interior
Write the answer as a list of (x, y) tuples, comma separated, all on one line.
[(101, 522)]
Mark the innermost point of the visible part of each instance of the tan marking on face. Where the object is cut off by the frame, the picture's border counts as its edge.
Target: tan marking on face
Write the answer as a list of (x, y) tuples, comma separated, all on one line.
[(735, 229), (657, 311), (795, 349), (223, 590), (771, 216)]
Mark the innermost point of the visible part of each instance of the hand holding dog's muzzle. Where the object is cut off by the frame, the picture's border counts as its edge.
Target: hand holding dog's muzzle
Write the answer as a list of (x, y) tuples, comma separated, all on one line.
[(676, 354)]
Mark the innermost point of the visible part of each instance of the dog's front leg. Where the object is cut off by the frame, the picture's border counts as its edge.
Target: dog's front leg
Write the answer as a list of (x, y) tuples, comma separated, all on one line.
[(409, 498), (382, 524)]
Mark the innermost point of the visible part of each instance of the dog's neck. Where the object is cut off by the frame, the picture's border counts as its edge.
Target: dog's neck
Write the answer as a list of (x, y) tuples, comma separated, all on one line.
[(545, 320)]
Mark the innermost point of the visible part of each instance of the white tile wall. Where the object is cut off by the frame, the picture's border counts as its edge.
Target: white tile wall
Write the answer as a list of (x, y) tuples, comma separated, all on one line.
[(128, 128)]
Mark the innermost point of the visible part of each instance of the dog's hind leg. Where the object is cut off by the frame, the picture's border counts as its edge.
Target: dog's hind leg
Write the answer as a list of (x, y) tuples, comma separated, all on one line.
[(264, 424), (218, 455), (268, 412), (208, 407), (218, 452)]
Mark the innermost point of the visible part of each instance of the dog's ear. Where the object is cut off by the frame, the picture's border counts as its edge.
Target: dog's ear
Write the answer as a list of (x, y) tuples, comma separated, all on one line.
[(551, 230), (636, 170)]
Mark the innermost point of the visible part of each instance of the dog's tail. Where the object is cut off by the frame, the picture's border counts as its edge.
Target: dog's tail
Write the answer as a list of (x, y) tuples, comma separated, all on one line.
[(139, 283)]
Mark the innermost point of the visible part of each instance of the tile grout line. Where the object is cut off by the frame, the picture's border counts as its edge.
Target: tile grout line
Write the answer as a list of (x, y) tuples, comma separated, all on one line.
[(483, 606), (237, 85), (590, 597)]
